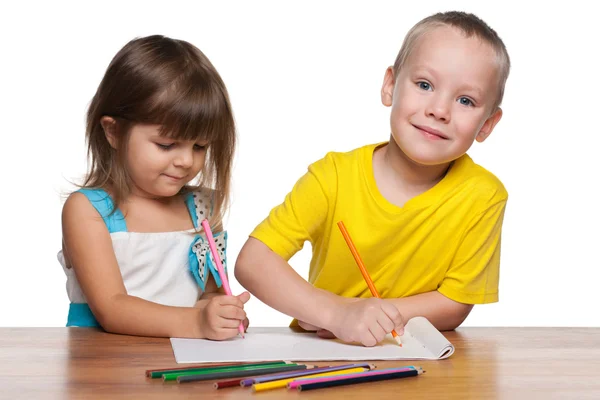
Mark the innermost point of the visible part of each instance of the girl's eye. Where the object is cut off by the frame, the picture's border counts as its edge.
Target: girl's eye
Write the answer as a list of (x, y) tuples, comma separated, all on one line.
[(424, 85), (465, 101), (164, 146), (199, 147)]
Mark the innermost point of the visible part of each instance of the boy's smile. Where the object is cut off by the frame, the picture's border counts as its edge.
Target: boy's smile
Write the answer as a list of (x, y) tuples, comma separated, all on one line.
[(443, 97)]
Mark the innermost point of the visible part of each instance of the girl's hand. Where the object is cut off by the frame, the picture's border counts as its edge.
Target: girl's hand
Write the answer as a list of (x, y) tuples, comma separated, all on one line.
[(220, 316), (366, 321)]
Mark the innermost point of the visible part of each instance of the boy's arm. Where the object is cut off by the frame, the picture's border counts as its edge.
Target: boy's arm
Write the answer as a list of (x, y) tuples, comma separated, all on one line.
[(261, 266), (472, 278), (444, 313), (272, 280), (88, 248)]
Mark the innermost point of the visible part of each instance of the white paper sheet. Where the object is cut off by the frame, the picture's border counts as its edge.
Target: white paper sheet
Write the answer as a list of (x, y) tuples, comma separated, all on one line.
[(269, 344)]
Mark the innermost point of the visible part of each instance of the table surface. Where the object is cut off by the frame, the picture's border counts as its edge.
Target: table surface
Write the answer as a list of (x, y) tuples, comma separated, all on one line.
[(489, 363)]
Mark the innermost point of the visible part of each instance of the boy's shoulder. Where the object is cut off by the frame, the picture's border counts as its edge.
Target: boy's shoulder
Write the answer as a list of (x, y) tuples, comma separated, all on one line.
[(343, 159), (469, 176)]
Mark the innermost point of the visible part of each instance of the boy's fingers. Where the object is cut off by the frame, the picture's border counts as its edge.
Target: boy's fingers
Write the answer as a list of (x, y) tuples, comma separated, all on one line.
[(393, 313), (307, 327), (325, 334)]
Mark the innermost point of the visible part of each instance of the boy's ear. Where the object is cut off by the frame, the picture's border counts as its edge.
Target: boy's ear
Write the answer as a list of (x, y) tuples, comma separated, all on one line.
[(387, 90), (109, 125), (488, 125)]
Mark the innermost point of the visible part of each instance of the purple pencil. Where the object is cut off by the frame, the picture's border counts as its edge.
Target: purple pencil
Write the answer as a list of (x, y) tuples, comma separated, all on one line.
[(298, 382), (269, 378)]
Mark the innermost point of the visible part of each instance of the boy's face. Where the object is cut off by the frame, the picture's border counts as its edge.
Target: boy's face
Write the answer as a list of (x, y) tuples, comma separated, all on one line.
[(443, 97)]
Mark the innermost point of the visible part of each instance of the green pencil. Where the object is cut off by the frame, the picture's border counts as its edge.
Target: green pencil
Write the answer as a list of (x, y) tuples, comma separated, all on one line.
[(241, 373), (160, 372), (172, 376)]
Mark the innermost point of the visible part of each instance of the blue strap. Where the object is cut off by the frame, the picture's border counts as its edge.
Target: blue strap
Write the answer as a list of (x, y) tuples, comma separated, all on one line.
[(81, 315), (102, 202)]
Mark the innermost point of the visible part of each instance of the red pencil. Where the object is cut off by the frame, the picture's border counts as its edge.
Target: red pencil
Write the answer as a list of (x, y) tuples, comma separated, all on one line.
[(231, 383), (363, 270)]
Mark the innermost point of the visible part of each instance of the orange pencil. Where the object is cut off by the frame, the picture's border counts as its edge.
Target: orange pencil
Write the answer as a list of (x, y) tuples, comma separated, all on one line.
[(363, 270)]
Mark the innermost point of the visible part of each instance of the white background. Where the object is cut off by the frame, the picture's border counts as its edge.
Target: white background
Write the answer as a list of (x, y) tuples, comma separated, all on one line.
[(304, 79)]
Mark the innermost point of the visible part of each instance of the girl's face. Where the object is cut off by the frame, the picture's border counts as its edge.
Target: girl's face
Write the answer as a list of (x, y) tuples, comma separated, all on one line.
[(160, 166)]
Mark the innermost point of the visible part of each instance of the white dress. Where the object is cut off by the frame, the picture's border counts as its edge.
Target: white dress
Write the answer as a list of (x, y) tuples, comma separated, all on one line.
[(169, 268)]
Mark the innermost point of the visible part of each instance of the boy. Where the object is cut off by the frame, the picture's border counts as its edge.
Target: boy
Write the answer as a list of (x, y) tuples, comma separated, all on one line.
[(425, 218)]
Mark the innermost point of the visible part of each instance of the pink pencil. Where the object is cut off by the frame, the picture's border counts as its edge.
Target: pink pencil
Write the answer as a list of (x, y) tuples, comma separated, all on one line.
[(213, 250), (298, 382)]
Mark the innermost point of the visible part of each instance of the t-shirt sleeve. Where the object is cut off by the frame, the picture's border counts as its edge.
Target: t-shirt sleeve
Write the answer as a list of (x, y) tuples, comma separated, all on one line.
[(473, 275), (302, 215)]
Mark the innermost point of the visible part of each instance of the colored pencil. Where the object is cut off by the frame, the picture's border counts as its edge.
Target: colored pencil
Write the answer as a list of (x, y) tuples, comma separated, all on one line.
[(261, 387), (222, 275), (275, 377), (211, 365), (296, 382), (370, 377), (363, 270), (158, 373), (173, 375), (239, 373), (226, 384)]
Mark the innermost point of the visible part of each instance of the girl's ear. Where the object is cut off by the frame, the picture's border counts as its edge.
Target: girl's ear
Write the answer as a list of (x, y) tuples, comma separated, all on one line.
[(109, 125)]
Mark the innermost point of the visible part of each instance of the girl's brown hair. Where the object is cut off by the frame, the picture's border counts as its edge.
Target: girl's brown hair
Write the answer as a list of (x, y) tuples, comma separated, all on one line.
[(171, 83)]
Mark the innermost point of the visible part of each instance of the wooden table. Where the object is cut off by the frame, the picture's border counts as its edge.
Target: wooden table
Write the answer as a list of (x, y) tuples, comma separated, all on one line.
[(489, 363)]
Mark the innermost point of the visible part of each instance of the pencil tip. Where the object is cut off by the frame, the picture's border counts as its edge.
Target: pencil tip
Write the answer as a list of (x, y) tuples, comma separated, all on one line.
[(398, 340)]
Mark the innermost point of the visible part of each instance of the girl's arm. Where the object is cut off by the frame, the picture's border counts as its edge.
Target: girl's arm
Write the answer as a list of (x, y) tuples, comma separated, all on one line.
[(88, 249)]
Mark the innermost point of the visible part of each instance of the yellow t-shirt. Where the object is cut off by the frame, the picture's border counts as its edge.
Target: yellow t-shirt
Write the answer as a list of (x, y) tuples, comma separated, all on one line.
[(445, 239)]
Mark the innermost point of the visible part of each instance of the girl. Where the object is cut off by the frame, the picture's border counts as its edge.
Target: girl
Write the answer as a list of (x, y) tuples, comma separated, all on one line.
[(160, 133)]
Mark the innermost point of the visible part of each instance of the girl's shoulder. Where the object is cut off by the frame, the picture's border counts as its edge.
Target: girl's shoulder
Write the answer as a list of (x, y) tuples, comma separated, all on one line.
[(87, 203)]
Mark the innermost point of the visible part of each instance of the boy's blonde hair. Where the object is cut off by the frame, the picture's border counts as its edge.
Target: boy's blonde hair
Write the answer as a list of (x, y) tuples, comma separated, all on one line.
[(171, 83), (470, 25)]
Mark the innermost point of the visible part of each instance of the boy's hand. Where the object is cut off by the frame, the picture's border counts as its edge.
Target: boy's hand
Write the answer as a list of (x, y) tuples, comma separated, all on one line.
[(220, 316), (366, 321), (322, 333)]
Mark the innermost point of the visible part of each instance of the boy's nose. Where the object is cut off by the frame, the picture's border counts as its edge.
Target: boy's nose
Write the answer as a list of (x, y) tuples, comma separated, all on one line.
[(439, 108)]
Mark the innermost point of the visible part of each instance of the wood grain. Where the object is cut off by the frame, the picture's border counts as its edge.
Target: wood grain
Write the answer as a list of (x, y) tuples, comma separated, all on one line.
[(489, 363)]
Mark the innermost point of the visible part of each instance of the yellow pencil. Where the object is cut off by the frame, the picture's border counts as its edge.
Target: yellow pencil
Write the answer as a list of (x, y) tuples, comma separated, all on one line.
[(259, 387)]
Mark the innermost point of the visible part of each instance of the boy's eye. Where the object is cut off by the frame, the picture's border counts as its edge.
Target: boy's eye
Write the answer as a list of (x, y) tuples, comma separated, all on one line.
[(424, 85), (164, 146), (465, 101)]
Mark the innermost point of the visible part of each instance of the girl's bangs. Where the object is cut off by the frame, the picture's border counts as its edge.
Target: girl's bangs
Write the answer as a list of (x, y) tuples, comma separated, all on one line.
[(193, 110)]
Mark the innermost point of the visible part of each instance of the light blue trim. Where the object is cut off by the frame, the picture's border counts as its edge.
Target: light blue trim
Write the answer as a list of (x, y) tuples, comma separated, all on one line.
[(102, 202), (210, 266), (81, 315), (189, 202)]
